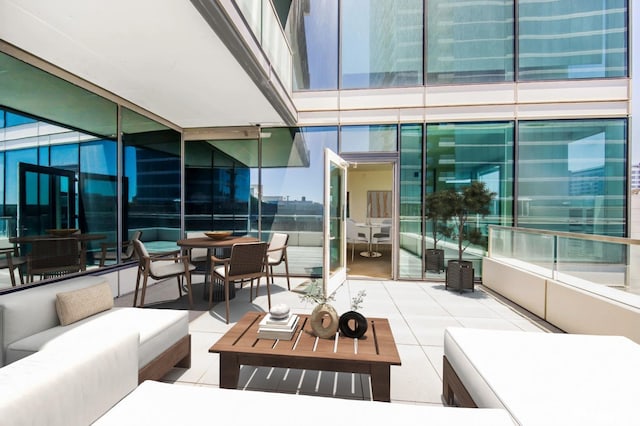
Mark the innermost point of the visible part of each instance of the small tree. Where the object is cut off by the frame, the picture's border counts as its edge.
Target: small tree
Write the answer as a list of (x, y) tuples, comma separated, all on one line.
[(473, 199), (438, 213)]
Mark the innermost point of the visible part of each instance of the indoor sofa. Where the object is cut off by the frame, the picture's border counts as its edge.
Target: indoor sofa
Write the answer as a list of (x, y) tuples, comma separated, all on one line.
[(543, 378), (31, 318), (82, 377)]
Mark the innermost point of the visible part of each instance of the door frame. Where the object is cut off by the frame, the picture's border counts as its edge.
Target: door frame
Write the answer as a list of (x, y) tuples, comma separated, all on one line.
[(392, 160)]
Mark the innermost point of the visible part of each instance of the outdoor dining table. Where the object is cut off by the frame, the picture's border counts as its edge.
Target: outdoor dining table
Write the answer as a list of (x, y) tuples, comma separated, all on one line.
[(213, 244), (83, 239)]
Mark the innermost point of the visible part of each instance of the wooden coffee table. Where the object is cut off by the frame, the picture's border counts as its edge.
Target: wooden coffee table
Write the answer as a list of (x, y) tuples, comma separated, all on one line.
[(372, 354)]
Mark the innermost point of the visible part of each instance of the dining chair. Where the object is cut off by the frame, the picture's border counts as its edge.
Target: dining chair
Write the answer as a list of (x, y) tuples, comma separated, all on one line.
[(110, 252), (197, 255), (277, 254), (10, 259), (247, 261), (53, 257), (384, 236), (353, 236), (167, 265)]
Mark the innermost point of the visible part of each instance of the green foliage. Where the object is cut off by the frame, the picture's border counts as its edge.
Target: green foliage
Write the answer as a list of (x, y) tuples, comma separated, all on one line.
[(474, 199), (438, 212)]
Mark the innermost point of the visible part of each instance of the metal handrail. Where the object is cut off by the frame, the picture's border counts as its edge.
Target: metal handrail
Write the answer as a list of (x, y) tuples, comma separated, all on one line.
[(590, 237)]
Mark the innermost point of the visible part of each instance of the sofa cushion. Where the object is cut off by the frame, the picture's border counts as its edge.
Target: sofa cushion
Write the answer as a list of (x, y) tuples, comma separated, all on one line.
[(30, 311), (168, 404), (548, 378), (73, 383), (75, 305), (158, 329)]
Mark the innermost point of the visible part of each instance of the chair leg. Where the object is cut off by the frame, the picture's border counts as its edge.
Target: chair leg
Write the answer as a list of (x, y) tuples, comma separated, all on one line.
[(179, 278), (144, 290), (286, 269), (211, 291), (268, 291), (226, 296), (135, 294), (188, 277), (12, 276)]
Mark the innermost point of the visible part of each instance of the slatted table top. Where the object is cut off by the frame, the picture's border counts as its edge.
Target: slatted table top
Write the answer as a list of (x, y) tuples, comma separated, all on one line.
[(376, 346)]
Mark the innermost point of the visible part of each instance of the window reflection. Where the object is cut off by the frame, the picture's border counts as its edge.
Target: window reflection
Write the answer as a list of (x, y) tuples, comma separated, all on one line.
[(152, 188), (381, 43), (293, 192), (571, 176)]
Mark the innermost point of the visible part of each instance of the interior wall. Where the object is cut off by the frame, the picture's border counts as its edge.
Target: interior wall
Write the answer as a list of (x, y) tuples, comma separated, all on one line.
[(361, 180)]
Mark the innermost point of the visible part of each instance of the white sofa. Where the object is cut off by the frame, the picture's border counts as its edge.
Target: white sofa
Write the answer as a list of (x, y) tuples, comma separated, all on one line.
[(544, 378), (94, 380), (29, 320)]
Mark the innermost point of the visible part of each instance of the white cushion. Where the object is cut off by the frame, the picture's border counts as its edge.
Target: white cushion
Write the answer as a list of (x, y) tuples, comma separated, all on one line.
[(31, 311), (158, 329), (163, 268), (546, 378), (70, 384), (75, 305), (167, 404)]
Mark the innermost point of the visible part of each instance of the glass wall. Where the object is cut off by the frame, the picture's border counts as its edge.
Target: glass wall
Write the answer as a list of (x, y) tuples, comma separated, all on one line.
[(292, 202), (375, 138), (411, 231), (461, 153), (469, 42), (152, 179), (312, 29), (384, 43), (572, 176), (381, 43), (221, 186), (572, 39)]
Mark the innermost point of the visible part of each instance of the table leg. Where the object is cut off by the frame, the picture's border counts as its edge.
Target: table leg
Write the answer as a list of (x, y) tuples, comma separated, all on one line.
[(381, 383), (229, 371)]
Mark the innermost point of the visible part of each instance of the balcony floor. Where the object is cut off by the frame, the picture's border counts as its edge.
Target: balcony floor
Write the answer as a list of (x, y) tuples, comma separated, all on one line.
[(417, 311)]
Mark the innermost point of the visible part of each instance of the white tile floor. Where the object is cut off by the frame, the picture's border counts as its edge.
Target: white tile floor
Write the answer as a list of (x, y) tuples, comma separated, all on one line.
[(417, 311)]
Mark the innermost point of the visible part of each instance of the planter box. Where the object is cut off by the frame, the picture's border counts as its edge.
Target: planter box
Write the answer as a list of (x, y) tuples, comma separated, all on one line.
[(459, 275), (434, 260)]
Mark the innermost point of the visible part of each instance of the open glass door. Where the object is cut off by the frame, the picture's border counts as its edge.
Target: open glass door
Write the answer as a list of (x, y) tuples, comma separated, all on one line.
[(334, 270)]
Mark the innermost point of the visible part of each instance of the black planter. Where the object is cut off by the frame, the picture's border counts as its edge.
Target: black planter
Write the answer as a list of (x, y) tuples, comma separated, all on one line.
[(434, 260), (353, 324), (459, 275)]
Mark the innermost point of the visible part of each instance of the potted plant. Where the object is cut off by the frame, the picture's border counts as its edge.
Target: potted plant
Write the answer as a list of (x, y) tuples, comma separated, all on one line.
[(438, 212), (473, 199)]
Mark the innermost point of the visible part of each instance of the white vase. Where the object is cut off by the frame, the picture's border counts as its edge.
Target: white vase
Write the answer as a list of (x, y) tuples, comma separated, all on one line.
[(324, 321)]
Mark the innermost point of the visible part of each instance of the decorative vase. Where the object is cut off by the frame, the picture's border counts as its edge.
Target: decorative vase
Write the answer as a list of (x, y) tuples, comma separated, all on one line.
[(324, 321), (353, 324)]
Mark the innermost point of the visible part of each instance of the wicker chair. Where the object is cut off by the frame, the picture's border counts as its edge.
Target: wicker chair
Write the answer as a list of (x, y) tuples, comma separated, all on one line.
[(53, 257), (161, 267), (247, 261), (276, 254)]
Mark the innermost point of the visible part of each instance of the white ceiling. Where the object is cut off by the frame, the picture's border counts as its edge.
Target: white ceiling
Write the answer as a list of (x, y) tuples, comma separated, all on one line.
[(158, 54)]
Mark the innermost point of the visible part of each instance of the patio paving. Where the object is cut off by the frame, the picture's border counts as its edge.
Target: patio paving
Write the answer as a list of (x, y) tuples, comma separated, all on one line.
[(417, 311)]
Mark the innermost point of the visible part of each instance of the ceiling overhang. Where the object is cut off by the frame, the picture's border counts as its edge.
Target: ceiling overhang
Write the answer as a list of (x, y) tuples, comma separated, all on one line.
[(162, 56)]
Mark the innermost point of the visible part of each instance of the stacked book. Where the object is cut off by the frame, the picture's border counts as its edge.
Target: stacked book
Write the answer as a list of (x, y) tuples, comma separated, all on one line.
[(281, 327)]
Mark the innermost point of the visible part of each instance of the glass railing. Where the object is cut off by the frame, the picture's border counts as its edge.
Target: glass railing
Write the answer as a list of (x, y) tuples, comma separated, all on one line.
[(577, 259), (263, 21)]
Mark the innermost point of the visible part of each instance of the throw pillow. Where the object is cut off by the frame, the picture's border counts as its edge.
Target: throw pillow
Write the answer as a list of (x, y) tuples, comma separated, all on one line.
[(75, 305)]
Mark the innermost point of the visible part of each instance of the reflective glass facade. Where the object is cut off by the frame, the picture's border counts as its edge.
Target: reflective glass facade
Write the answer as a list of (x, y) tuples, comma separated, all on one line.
[(572, 39), (572, 175), (381, 43), (412, 42)]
